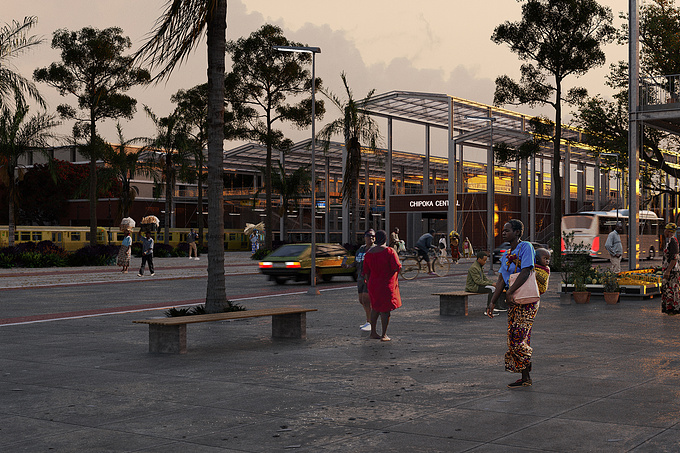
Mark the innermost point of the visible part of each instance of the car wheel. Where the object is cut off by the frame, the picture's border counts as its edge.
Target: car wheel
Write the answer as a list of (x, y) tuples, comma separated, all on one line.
[(355, 277), (280, 280), (326, 277)]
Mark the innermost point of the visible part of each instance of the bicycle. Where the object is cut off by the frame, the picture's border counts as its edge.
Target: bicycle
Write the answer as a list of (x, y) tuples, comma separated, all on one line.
[(412, 262)]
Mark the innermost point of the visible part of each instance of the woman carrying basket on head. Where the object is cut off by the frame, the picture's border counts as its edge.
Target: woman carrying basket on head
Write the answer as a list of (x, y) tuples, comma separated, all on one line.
[(518, 260)]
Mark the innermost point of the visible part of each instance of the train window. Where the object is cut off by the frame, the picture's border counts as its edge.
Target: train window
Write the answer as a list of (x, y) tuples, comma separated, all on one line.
[(232, 236), (37, 236), (56, 236), (120, 236), (75, 236), (25, 235)]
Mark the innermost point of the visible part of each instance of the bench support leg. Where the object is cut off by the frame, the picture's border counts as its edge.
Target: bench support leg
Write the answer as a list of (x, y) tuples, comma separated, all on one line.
[(289, 326), (168, 339), (453, 305)]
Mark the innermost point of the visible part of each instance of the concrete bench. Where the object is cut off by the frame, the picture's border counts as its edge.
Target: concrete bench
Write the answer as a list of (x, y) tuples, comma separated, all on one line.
[(169, 335), (454, 303)]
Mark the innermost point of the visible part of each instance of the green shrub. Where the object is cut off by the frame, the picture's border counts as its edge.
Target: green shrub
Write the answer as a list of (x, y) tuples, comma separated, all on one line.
[(261, 253), (200, 310), (6, 261)]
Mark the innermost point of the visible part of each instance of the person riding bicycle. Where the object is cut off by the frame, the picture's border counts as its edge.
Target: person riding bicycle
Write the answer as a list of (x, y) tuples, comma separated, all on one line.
[(423, 248)]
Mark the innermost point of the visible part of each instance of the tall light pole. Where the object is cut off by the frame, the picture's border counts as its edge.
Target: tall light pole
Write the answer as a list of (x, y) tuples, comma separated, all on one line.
[(490, 178), (313, 50)]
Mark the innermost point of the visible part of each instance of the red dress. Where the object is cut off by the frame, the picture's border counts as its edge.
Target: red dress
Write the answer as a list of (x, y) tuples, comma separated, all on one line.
[(383, 284)]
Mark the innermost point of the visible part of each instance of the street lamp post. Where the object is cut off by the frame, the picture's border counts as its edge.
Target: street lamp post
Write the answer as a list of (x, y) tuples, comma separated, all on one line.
[(313, 50)]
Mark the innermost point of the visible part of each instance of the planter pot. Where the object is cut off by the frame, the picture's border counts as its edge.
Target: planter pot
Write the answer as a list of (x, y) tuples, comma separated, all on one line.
[(611, 298), (581, 297)]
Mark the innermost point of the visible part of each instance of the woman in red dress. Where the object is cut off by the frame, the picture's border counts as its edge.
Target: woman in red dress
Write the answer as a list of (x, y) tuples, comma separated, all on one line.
[(381, 269)]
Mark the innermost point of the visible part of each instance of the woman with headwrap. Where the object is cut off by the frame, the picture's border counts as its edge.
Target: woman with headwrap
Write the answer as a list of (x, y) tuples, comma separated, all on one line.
[(381, 269)]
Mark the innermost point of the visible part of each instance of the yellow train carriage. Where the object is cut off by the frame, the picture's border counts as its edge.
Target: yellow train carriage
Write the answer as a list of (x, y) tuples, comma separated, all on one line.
[(74, 238)]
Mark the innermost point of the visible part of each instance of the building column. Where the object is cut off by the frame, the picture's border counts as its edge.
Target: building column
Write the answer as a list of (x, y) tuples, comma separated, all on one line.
[(388, 175)]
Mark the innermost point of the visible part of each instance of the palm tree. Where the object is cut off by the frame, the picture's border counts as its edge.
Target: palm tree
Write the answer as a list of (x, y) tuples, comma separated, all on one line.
[(20, 135), (356, 125), (292, 188), (124, 163), (176, 34), (13, 42), (168, 159)]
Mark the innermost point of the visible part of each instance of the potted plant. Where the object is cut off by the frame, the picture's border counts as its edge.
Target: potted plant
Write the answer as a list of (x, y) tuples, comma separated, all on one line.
[(581, 293), (610, 281)]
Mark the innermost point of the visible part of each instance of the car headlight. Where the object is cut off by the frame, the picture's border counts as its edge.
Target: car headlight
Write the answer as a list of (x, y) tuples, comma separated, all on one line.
[(293, 264), (266, 264)]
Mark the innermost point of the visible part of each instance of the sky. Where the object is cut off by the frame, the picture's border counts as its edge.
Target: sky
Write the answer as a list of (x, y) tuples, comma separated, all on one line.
[(438, 46)]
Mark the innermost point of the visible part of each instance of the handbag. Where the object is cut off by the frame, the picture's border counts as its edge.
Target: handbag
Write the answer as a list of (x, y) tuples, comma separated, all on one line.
[(528, 292)]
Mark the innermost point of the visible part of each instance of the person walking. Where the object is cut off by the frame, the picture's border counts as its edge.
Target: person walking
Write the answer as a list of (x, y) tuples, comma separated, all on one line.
[(423, 248), (519, 259), (670, 282), (381, 268), (124, 252), (615, 247), (362, 286), (192, 237), (476, 281), (147, 253)]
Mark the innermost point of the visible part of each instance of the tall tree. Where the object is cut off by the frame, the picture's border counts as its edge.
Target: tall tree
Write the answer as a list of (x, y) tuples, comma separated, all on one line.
[(167, 155), (19, 135), (356, 126), (257, 87), (94, 71), (14, 41), (558, 38), (176, 33)]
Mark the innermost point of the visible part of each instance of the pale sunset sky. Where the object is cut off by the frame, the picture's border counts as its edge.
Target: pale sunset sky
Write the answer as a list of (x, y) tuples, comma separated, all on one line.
[(440, 46)]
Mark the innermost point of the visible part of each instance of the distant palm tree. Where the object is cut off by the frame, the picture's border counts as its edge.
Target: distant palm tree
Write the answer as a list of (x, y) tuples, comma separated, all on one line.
[(167, 158), (176, 33), (20, 135), (124, 163), (292, 188), (355, 125), (14, 42)]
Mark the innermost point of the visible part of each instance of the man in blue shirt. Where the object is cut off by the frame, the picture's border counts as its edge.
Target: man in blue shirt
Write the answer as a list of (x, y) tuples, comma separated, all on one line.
[(147, 254)]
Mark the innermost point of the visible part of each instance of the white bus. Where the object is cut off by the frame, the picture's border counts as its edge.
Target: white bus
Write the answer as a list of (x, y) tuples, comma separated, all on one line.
[(592, 228)]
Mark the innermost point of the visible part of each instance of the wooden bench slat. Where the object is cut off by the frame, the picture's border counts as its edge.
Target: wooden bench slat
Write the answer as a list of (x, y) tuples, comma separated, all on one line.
[(179, 320)]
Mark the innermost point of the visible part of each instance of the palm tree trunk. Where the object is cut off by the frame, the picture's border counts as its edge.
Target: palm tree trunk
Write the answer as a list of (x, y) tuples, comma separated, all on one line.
[(216, 294)]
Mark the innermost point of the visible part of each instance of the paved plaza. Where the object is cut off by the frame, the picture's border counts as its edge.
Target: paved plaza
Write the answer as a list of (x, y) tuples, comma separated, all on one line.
[(605, 378)]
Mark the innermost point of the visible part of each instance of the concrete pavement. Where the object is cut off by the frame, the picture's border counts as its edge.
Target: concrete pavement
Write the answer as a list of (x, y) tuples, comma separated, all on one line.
[(606, 378)]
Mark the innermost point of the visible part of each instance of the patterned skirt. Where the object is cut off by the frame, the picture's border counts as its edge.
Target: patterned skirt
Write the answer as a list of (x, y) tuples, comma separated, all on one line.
[(123, 256), (670, 294), (520, 321)]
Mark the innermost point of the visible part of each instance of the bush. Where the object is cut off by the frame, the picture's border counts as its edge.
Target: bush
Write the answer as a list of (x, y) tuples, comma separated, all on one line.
[(99, 255), (200, 310), (6, 261), (261, 253), (162, 250)]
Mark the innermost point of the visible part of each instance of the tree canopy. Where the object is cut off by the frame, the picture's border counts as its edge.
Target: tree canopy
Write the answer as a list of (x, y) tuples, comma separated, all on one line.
[(94, 70), (557, 39), (258, 86)]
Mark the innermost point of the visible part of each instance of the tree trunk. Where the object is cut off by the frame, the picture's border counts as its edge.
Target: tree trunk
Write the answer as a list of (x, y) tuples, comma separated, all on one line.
[(556, 183), (12, 220), (93, 182), (216, 293), (200, 203), (268, 221), (169, 189)]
